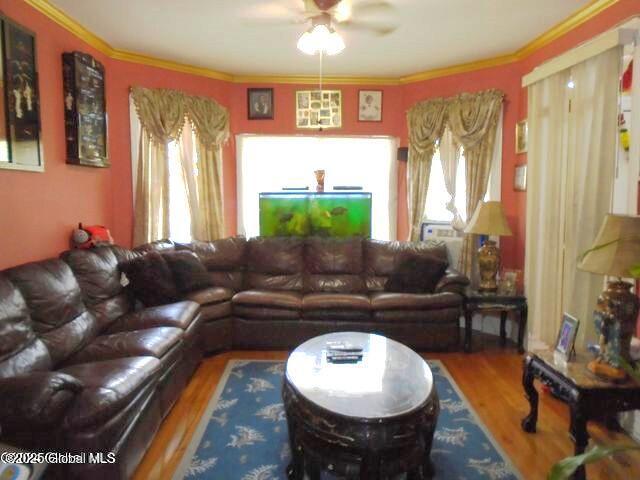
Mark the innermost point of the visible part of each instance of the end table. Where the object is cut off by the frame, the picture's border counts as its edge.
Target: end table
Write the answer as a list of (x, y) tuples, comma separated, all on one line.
[(482, 302), (587, 395)]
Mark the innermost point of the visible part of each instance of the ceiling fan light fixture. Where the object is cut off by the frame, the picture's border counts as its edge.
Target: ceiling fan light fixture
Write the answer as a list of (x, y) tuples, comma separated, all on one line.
[(321, 38)]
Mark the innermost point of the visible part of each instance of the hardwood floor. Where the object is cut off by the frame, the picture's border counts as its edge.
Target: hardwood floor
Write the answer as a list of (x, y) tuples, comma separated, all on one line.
[(490, 378)]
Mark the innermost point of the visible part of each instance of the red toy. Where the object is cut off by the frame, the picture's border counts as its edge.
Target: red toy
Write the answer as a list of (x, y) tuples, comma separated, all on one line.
[(91, 236)]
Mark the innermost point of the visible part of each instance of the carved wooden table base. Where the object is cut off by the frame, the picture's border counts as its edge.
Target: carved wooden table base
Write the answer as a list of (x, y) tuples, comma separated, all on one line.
[(359, 448), (587, 396)]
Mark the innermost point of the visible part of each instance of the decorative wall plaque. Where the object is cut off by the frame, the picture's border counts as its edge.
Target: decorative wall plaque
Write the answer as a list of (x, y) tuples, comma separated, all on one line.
[(85, 110), (20, 146), (318, 109)]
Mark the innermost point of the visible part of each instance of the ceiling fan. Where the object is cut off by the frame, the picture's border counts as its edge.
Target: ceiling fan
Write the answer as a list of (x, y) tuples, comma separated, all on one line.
[(372, 16)]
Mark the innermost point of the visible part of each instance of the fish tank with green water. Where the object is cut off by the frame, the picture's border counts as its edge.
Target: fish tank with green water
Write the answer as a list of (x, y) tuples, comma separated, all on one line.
[(323, 214)]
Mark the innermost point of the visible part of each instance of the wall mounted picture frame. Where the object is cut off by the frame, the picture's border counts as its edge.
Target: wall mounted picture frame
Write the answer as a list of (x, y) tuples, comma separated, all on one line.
[(522, 133), (565, 342), (85, 115), (20, 127), (370, 105), (260, 103), (520, 178), (318, 109)]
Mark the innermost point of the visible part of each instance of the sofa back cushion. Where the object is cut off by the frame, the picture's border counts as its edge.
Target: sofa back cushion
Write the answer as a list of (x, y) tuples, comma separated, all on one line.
[(383, 259), (224, 259), (188, 271), (155, 246), (60, 317), (334, 265), (100, 280), (275, 263), (151, 279), (20, 350)]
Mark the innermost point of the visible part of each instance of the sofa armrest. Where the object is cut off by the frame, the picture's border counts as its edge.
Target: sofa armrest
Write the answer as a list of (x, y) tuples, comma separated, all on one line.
[(36, 400), (452, 281)]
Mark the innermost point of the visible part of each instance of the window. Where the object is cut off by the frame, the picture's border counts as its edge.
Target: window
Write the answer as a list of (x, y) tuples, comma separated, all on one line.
[(269, 163), (437, 195)]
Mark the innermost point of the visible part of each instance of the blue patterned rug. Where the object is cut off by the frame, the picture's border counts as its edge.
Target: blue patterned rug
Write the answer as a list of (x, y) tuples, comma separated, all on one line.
[(243, 434)]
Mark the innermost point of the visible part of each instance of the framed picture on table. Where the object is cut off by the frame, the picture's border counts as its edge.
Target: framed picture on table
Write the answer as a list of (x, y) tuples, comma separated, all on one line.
[(565, 343)]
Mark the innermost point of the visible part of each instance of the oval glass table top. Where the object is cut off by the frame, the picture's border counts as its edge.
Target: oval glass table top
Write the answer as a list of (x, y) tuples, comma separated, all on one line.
[(389, 380)]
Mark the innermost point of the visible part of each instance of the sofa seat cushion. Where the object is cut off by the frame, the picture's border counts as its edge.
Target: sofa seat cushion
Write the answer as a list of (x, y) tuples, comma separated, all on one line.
[(153, 342), (180, 315), (257, 312), (268, 298), (335, 301), (210, 295), (109, 387), (414, 301)]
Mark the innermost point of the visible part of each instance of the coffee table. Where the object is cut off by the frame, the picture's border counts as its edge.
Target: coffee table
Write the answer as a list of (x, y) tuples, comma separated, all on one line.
[(371, 419)]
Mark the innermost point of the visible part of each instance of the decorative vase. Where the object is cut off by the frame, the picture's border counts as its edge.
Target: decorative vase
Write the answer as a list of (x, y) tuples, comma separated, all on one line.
[(488, 264), (320, 180), (615, 321)]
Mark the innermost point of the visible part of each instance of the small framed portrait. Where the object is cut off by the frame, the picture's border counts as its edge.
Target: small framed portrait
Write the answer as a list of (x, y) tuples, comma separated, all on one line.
[(521, 136), (370, 105), (520, 178), (260, 103), (567, 336)]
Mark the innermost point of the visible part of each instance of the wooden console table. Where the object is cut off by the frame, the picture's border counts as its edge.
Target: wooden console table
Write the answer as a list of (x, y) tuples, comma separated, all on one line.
[(588, 396), (480, 302)]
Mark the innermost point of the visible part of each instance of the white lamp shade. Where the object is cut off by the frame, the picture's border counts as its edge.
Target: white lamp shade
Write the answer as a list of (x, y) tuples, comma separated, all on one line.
[(616, 248), (489, 219)]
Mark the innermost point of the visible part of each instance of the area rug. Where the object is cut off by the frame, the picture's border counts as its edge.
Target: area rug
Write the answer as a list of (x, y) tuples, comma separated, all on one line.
[(243, 433)]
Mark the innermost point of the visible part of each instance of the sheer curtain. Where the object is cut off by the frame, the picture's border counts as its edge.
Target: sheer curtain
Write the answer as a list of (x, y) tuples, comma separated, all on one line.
[(548, 115), (592, 141), (571, 161)]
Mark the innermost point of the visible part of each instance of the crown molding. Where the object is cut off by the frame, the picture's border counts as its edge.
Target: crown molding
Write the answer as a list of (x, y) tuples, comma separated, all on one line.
[(576, 19), (313, 80)]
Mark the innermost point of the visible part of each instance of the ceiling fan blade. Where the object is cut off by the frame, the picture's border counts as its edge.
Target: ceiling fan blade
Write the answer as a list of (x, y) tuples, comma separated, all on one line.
[(376, 28), (343, 11), (373, 8)]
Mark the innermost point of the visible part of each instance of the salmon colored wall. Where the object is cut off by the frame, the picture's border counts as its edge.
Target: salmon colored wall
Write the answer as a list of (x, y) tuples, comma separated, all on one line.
[(45, 206), (38, 210)]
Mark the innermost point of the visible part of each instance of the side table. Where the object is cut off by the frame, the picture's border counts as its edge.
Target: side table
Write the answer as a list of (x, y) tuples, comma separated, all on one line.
[(588, 396), (482, 302)]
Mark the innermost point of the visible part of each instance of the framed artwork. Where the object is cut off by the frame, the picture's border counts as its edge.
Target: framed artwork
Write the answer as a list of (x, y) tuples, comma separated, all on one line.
[(521, 136), (85, 116), (520, 178), (318, 109), (567, 336), (20, 145), (260, 103), (370, 105)]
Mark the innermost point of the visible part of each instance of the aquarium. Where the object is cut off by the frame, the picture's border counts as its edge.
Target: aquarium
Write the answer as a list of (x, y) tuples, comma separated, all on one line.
[(326, 214)]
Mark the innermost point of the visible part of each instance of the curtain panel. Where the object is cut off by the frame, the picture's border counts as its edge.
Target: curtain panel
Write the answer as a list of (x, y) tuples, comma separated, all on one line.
[(163, 113), (572, 147), (426, 125), (472, 119)]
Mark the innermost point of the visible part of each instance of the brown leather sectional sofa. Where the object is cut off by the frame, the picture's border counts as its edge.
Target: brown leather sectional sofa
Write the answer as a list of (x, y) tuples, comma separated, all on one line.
[(85, 368)]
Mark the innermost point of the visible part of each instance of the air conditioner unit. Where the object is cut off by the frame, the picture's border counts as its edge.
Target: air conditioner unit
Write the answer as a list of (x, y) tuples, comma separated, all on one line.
[(444, 232)]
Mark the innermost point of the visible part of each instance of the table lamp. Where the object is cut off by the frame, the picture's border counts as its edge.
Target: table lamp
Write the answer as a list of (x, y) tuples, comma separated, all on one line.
[(615, 251), (488, 219)]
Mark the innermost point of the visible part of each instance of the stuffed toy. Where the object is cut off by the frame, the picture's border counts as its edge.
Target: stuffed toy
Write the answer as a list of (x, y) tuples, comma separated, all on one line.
[(91, 236)]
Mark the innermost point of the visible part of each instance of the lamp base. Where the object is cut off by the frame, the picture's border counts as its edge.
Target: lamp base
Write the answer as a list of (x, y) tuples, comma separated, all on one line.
[(606, 371), (488, 264)]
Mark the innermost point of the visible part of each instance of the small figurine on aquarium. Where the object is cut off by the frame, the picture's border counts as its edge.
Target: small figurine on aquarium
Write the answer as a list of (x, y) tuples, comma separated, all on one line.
[(320, 180)]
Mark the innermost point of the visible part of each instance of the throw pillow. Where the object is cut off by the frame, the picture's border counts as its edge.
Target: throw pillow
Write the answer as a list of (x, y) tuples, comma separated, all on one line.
[(188, 271), (150, 279), (416, 274)]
